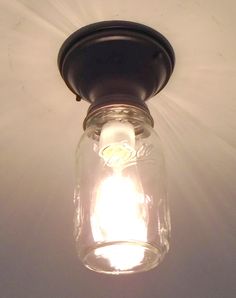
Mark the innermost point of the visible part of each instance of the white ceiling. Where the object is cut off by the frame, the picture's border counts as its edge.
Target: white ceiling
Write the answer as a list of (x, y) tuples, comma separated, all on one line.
[(40, 125)]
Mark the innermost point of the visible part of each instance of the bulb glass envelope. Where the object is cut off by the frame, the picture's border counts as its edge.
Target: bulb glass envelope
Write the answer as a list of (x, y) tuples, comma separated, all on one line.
[(122, 218)]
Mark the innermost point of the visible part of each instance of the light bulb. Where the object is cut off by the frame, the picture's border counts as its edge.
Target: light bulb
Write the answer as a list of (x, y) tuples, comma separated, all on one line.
[(118, 216), (122, 221)]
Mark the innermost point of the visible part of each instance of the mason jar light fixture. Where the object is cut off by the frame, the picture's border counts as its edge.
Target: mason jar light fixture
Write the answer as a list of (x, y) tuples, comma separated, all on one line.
[(122, 220)]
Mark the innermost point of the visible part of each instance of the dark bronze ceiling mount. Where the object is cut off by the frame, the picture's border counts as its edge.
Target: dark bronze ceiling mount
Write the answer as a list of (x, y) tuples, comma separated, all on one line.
[(116, 62)]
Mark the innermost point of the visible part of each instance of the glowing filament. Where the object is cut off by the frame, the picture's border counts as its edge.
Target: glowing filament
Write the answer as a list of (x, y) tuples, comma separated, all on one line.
[(119, 214)]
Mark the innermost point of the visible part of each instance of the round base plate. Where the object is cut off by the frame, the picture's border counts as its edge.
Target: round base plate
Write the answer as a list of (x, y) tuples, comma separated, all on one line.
[(116, 60)]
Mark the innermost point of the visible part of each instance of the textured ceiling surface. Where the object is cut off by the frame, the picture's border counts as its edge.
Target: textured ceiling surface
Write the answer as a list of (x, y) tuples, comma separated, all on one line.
[(40, 125)]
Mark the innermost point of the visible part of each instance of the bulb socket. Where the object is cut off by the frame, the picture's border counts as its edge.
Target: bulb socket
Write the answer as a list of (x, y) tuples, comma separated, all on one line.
[(121, 112)]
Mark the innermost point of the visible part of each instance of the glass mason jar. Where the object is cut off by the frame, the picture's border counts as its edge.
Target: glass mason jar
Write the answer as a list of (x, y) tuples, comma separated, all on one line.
[(122, 218)]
